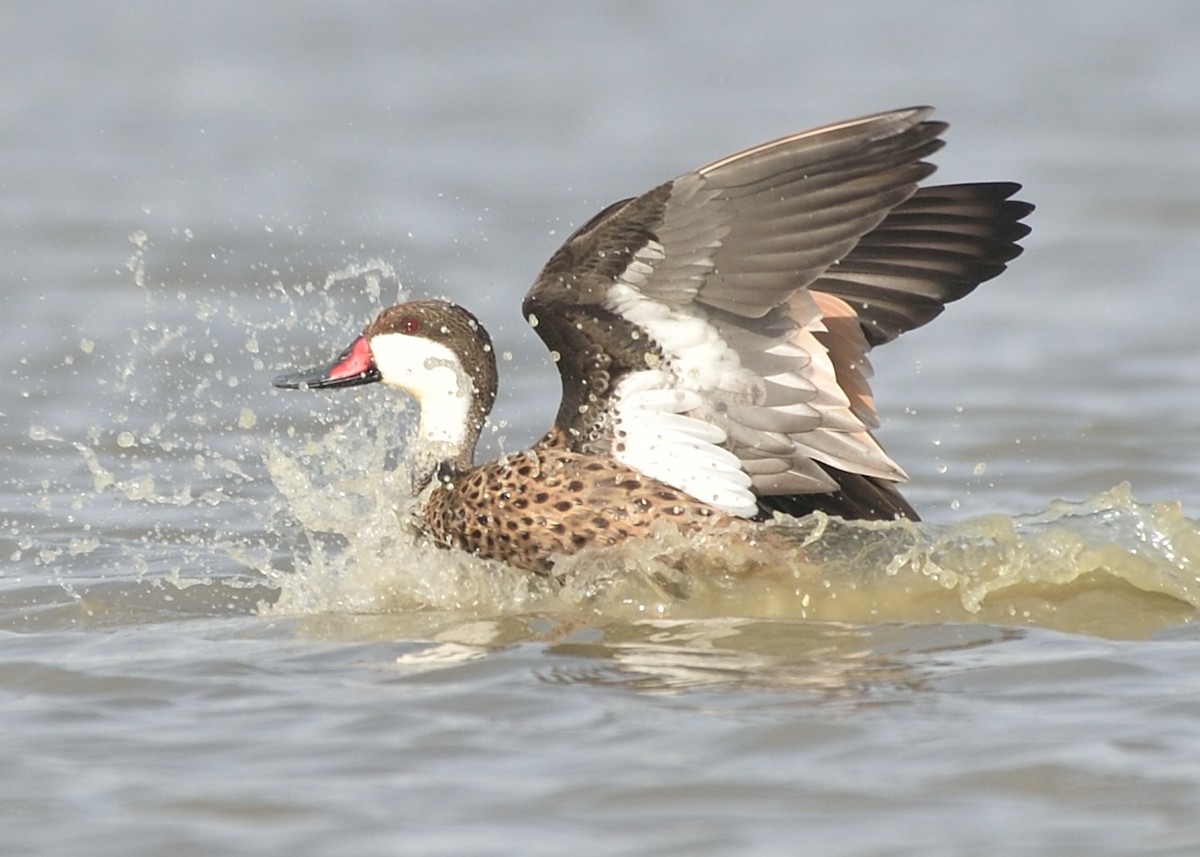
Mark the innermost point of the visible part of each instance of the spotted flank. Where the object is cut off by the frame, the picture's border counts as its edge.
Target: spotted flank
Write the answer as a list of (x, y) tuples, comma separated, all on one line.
[(712, 338), (529, 506)]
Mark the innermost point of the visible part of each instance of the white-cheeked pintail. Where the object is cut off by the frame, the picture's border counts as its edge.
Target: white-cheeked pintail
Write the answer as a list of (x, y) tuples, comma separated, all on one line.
[(711, 336)]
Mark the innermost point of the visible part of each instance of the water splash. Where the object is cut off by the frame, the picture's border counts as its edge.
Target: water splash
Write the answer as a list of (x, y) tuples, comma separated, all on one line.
[(165, 486), (305, 508), (1108, 565)]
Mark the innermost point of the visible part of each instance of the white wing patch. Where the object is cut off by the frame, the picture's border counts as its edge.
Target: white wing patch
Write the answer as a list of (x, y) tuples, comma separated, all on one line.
[(656, 432), (700, 358), (655, 436), (698, 419)]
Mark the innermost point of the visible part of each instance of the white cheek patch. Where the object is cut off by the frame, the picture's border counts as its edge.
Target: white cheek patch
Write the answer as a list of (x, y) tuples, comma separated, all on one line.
[(433, 375)]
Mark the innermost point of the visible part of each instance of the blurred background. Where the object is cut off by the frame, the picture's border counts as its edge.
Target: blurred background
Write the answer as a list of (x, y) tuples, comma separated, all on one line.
[(274, 143), (263, 144)]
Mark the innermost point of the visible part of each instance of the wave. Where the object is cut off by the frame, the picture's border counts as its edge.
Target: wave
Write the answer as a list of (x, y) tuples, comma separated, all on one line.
[(1109, 565)]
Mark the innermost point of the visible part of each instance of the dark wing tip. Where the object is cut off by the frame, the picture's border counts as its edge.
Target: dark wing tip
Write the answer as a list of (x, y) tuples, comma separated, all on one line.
[(930, 250)]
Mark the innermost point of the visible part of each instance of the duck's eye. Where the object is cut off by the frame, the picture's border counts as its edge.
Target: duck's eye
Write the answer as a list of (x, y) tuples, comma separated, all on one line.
[(410, 325)]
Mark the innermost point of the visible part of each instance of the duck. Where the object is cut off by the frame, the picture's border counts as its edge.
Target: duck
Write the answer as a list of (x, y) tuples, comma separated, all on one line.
[(711, 337)]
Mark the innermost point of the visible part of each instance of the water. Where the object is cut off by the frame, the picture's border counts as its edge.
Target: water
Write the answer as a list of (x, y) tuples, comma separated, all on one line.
[(219, 636)]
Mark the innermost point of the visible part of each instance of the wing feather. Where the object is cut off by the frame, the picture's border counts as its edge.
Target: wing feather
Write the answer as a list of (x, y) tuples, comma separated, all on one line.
[(713, 332)]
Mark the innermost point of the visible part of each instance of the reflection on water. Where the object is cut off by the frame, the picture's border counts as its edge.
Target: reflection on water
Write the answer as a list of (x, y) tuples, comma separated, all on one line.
[(824, 659)]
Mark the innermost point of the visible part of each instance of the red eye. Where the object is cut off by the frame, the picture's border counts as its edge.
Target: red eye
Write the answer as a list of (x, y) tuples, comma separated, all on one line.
[(409, 325)]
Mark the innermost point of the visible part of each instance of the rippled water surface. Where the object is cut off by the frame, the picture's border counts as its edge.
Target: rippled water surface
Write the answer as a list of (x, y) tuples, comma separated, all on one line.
[(219, 636)]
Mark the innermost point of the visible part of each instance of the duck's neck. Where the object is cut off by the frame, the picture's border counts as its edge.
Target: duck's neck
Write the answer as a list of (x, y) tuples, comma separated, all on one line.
[(455, 405), (447, 435)]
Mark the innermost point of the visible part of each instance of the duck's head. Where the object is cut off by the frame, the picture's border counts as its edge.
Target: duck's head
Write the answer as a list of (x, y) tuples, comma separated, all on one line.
[(439, 354)]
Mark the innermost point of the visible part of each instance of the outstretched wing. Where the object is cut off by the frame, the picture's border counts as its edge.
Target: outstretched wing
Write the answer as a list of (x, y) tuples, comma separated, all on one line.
[(712, 332)]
